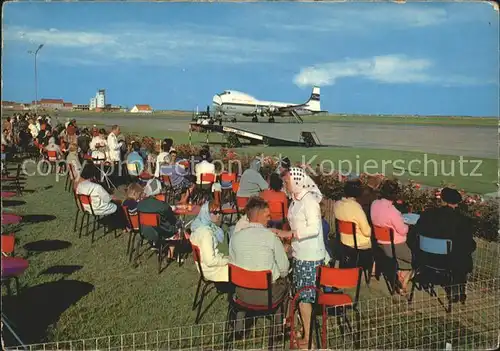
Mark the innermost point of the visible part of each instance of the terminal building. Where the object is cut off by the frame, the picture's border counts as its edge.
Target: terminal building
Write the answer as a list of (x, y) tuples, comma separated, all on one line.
[(98, 103)]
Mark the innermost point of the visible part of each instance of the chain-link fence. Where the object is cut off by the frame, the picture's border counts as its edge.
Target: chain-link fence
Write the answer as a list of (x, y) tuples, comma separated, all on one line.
[(385, 323)]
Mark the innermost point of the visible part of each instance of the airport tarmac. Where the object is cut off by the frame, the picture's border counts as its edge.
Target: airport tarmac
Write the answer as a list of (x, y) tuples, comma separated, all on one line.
[(468, 141)]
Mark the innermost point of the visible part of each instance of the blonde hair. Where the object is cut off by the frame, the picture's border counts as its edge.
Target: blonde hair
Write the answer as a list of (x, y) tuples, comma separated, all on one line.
[(73, 147), (134, 191)]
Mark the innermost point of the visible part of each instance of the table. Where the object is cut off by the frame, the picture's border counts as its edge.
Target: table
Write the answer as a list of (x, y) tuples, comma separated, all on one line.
[(183, 211), (7, 194), (9, 218), (411, 218), (13, 266)]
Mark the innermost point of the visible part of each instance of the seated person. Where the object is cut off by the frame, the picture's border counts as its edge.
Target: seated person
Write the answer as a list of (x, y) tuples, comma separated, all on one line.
[(204, 167), (384, 214), (73, 159), (150, 204), (252, 182), (102, 203), (52, 146), (348, 209), (164, 156), (206, 234), (257, 248), (135, 162), (274, 194), (369, 193), (448, 222), (135, 193)]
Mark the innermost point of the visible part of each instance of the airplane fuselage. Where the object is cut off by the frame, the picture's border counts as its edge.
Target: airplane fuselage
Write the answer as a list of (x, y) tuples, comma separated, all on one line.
[(232, 103)]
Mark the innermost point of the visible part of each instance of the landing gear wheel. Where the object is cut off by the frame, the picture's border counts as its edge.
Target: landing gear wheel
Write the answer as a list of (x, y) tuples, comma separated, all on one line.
[(255, 119), (271, 120), (233, 120)]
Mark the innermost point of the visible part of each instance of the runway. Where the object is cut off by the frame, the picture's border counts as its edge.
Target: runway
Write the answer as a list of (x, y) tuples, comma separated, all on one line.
[(469, 141)]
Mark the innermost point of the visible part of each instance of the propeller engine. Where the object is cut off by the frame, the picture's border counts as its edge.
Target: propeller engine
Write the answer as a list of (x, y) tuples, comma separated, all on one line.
[(272, 109)]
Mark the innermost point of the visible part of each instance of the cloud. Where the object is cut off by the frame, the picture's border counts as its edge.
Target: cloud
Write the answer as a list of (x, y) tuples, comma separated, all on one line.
[(149, 44), (389, 69), (360, 17)]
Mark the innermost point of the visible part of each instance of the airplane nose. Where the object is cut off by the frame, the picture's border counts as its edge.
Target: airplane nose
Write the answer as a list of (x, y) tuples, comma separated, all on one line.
[(217, 100)]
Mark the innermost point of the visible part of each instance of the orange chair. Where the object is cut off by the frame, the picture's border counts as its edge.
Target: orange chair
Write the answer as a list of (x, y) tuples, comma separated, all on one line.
[(256, 280), (208, 285), (149, 220), (365, 256), (339, 279), (52, 158), (241, 202), (8, 244), (133, 223), (86, 200), (388, 265), (277, 210)]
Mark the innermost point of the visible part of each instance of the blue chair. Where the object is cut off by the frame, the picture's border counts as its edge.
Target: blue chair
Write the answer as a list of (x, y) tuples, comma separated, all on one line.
[(432, 266)]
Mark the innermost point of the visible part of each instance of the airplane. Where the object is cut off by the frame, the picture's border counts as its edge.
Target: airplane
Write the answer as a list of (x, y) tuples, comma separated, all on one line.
[(232, 103)]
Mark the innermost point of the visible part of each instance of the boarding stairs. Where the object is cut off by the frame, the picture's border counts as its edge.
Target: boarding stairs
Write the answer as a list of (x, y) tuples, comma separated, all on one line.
[(298, 119)]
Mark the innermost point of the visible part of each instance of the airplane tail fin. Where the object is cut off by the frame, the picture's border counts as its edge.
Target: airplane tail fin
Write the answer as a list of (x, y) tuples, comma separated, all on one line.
[(314, 101)]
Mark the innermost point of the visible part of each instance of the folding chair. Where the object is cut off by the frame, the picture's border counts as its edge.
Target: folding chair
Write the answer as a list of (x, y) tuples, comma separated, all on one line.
[(277, 211), (339, 279), (149, 220), (389, 265), (12, 267), (208, 285), (365, 256), (16, 179), (205, 186), (70, 177), (87, 213), (256, 280), (52, 158), (432, 267), (133, 222), (226, 181), (169, 189)]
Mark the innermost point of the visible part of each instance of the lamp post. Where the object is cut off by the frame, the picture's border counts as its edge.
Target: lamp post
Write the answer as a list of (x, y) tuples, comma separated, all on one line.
[(35, 53)]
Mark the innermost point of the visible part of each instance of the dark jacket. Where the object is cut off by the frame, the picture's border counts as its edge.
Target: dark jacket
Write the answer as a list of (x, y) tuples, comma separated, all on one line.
[(365, 200), (448, 223), (167, 218)]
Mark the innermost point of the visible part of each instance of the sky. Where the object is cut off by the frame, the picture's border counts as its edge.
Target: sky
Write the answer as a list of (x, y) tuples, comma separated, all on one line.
[(368, 58)]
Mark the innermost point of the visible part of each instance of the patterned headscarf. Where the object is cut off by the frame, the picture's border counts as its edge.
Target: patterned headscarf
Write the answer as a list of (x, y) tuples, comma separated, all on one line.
[(203, 219), (302, 184)]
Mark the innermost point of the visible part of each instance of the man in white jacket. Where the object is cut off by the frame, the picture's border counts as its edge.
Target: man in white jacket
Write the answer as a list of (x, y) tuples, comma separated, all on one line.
[(113, 145)]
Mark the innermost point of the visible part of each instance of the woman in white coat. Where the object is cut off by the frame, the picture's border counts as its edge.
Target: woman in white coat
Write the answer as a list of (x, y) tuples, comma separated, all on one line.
[(207, 235), (308, 246)]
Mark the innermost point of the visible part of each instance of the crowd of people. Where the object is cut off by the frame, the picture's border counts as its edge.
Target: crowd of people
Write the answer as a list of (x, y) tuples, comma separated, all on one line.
[(291, 241)]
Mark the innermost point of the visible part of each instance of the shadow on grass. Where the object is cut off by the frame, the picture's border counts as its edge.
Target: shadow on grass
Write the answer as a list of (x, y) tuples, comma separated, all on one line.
[(46, 245), (60, 269), (13, 203), (37, 218), (38, 307)]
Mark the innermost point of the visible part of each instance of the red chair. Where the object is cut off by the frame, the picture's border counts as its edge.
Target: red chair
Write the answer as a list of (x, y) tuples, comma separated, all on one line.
[(149, 220), (388, 265), (86, 200), (52, 158), (277, 210), (8, 244), (208, 285), (241, 202), (256, 280), (70, 177), (133, 223), (12, 267), (363, 258), (15, 179), (339, 279)]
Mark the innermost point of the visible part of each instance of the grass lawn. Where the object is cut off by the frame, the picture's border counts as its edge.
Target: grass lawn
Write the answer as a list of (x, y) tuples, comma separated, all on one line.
[(111, 297), (102, 294)]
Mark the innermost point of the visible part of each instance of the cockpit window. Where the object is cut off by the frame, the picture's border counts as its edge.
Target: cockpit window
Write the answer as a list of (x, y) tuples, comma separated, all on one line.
[(225, 93)]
